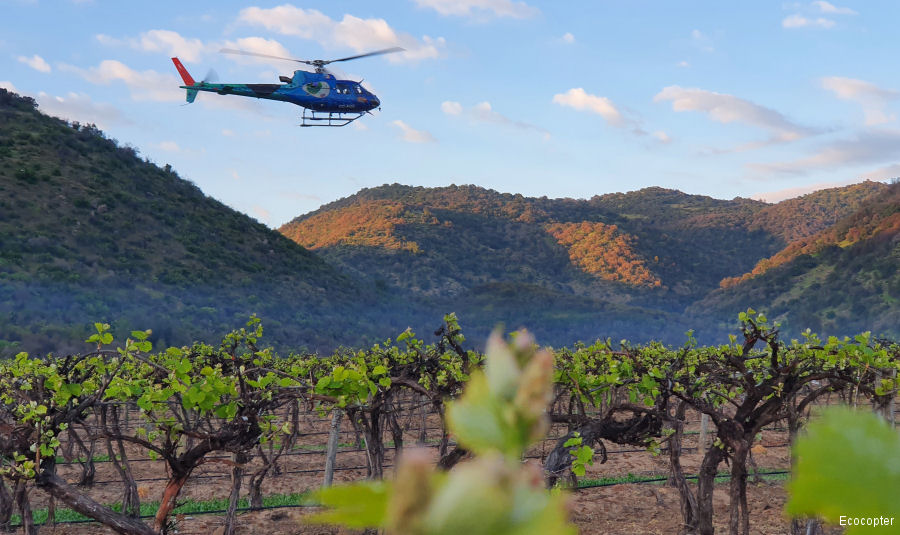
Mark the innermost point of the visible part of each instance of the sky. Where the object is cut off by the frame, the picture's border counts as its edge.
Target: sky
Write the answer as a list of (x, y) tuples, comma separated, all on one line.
[(755, 99)]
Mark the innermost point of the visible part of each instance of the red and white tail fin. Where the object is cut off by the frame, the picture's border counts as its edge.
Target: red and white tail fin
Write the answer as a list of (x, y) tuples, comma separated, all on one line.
[(188, 80), (186, 76)]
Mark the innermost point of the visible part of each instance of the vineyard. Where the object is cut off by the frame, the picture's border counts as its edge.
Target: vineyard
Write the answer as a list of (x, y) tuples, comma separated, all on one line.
[(233, 437)]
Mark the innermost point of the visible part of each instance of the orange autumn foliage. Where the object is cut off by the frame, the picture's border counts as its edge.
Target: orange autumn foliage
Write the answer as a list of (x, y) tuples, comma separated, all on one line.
[(601, 250), (883, 217), (364, 223)]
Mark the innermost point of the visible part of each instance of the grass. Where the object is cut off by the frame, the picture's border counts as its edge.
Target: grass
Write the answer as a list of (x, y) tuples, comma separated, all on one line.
[(586, 483), (187, 507)]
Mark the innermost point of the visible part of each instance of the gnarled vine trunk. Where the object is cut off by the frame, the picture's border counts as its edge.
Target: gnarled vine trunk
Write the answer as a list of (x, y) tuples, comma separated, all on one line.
[(706, 481), (24, 505), (168, 503), (81, 503), (237, 475), (6, 506), (678, 479)]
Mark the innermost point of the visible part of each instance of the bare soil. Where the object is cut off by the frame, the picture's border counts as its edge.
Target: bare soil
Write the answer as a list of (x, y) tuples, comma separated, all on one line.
[(619, 509)]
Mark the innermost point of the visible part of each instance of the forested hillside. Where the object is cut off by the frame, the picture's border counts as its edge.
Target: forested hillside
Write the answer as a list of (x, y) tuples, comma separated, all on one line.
[(656, 249), (444, 240), (90, 231), (845, 275)]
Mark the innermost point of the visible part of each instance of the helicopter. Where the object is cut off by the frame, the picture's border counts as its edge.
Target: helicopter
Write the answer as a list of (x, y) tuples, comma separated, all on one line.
[(326, 101)]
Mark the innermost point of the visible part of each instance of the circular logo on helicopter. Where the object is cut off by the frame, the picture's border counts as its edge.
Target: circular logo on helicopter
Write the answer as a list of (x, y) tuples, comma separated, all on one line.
[(317, 89)]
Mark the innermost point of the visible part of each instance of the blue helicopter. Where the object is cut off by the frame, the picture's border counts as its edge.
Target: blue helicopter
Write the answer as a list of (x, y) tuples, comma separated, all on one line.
[(326, 101)]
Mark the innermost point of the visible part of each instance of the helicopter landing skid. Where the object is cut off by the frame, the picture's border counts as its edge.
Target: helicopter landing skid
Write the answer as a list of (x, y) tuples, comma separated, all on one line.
[(334, 118)]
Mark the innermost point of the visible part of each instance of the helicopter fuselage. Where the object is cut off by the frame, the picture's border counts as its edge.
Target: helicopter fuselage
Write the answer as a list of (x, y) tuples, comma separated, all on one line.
[(320, 92)]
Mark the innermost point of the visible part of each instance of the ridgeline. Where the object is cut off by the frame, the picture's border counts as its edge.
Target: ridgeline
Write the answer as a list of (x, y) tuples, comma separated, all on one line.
[(90, 231)]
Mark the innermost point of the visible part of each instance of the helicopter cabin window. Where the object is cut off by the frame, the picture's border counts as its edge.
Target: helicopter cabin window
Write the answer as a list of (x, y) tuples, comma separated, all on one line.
[(357, 90), (342, 89)]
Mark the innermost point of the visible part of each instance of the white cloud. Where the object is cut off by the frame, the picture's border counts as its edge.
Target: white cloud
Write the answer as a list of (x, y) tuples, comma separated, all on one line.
[(360, 35), (568, 38), (169, 146), (35, 62), (288, 20), (702, 41), (869, 147), (481, 9), (261, 214), (683, 64), (228, 133), (451, 108), (799, 21), (483, 112), (581, 100), (884, 173), (144, 85), (6, 84), (661, 136), (828, 7), (726, 108), (193, 50), (79, 107), (873, 99), (259, 45), (410, 134), (790, 193), (172, 43), (235, 175)]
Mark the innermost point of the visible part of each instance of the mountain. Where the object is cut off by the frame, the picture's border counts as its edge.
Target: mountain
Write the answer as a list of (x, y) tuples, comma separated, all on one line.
[(844, 278), (797, 218), (91, 232), (441, 241), (617, 264), (812, 222)]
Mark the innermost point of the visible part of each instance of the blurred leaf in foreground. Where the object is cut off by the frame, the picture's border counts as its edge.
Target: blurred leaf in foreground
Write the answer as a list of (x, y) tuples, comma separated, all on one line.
[(848, 466), (501, 412)]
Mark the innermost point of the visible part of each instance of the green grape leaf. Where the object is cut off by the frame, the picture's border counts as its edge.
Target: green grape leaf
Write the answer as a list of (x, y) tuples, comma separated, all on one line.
[(362, 505), (848, 466)]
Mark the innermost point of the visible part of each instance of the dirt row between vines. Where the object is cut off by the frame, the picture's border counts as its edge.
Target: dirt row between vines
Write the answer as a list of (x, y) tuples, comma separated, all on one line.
[(623, 508)]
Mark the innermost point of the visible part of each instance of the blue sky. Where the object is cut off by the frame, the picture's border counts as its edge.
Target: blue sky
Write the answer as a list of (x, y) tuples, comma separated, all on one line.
[(563, 99)]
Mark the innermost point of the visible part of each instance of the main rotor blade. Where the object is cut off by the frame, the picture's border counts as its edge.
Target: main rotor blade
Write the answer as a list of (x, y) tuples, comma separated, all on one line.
[(367, 54), (246, 53)]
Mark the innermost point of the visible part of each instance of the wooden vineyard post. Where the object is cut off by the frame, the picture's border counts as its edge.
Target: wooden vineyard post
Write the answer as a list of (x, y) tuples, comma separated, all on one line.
[(51, 512), (704, 433), (331, 451), (423, 414), (237, 476)]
